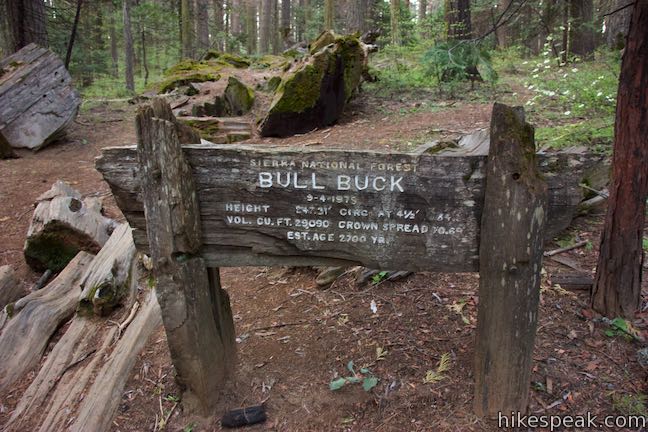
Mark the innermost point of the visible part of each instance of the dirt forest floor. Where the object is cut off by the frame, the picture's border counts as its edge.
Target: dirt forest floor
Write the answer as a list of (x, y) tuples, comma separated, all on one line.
[(294, 338)]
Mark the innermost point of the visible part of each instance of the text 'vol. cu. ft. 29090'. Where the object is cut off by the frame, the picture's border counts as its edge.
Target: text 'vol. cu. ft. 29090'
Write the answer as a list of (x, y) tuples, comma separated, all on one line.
[(276, 206)]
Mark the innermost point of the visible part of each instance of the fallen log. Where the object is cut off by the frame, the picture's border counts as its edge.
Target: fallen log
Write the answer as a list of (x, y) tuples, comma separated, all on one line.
[(59, 381), (85, 365), (62, 225), (314, 92), (104, 396), (10, 289), (34, 318), (112, 274), (37, 100)]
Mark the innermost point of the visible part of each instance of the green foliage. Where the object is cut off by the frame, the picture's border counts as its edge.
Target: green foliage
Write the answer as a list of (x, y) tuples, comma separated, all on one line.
[(459, 61), (630, 404), (645, 243), (621, 327), (399, 69), (578, 100), (379, 277), (365, 377), (595, 133)]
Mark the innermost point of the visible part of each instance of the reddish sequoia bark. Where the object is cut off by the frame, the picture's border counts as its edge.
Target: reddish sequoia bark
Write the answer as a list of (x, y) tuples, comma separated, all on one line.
[(617, 287)]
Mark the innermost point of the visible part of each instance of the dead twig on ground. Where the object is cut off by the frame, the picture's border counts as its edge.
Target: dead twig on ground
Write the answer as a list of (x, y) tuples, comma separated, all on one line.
[(580, 244)]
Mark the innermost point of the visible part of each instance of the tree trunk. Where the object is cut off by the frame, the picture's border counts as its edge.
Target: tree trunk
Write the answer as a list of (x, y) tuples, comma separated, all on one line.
[(300, 21), (503, 33), (277, 40), (329, 14), (286, 24), (582, 39), (219, 26), (617, 288), (114, 54), (75, 25), (422, 11), (129, 53), (251, 26), (458, 19), (394, 16), (202, 26), (23, 22), (264, 26), (187, 32), (235, 17), (144, 59), (564, 52), (357, 16), (617, 25)]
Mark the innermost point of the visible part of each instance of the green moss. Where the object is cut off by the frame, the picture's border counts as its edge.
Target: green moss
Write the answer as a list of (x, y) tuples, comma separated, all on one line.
[(239, 97), (234, 60), (186, 66), (9, 309), (228, 59), (49, 251), (325, 38), (179, 81), (353, 57), (271, 61), (273, 83), (206, 129), (300, 90)]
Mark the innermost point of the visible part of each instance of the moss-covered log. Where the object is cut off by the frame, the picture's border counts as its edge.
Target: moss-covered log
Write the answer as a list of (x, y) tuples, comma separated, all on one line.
[(313, 94)]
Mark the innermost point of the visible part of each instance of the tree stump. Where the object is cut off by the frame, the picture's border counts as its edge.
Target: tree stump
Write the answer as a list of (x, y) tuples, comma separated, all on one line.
[(510, 260)]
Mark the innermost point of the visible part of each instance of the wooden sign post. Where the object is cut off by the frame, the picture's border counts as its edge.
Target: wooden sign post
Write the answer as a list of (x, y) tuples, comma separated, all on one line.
[(195, 208)]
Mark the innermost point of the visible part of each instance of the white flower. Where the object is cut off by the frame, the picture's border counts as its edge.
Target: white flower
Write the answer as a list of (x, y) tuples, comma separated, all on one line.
[(567, 113), (574, 69), (547, 61), (599, 94)]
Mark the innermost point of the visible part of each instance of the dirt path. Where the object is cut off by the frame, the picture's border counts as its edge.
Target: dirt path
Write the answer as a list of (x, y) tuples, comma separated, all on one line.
[(293, 339)]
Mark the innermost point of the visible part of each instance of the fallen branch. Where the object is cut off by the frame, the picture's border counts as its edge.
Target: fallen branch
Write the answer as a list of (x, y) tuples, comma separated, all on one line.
[(580, 244), (121, 327)]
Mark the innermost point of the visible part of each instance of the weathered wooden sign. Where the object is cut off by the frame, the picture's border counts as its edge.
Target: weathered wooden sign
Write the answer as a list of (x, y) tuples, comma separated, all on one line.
[(263, 205), (198, 207)]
